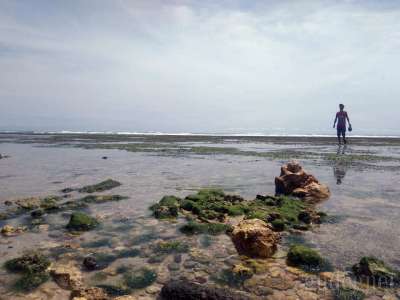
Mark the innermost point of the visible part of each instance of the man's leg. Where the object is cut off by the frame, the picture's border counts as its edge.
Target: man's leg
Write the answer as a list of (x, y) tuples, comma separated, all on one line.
[(338, 136), (344, 136)]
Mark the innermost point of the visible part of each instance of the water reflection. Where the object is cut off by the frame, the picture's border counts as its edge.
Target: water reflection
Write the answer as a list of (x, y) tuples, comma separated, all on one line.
[(340, 167)]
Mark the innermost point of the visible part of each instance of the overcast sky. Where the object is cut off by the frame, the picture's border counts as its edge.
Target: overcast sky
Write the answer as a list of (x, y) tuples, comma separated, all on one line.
[(199, 66)]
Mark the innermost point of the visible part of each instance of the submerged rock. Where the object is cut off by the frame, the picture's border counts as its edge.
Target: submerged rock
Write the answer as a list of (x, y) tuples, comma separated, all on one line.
[(255, 238), (293, 180), (33, 267), (139, 279), (346, 293), (376, 272), (91, 293), (67, 276), (81, 222), (100, 187), (186, 290), (30, 262)]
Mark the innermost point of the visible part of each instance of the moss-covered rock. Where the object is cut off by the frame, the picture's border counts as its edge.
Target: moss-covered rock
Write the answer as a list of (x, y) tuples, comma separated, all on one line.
[(171, 247), (376, 272), (102, 198), (278, 225), (210, 228), (140, 278), (33, 267), (114, 290), (235, 276), (166, 208), (306, 258), (100, 187), (346, 293), (30, 281), (81, 222), (31, 262)]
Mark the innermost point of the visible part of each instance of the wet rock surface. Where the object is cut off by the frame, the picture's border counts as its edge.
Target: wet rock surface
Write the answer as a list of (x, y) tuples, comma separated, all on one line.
[(255, 238), (293, 180)]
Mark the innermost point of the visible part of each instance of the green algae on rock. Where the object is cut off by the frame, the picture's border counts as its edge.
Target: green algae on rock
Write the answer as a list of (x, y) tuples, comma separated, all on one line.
[(33, 267), (193, 227), (140, 278), (100, 187), (114, 290), (81, 222), (171, 247), (101, 198), (166, 208), (375, 272), (346, 293), (30, 262), (306, 258)]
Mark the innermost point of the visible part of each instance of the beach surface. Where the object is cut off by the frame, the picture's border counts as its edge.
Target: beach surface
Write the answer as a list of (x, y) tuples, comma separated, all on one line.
[(363, 209)]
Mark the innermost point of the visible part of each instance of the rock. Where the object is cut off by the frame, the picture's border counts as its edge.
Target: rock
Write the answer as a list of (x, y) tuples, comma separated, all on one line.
[(29, 203), (30, 262), (92, 293), (100, 187), (305, 258), (81, 222), (376, 272), (185, 290), (66, 276), (67, 190), (8, 203), (139, 279), (33, 267), (293, 180), (9, 230), (90, 263), (166, 208), (104, 157), (255, 238)]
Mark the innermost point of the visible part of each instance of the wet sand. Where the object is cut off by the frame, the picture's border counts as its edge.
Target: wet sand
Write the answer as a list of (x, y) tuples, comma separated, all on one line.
[(364, 188)]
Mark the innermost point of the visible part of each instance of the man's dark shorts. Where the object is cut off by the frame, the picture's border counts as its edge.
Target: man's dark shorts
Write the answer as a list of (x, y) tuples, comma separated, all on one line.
[(341, 131)]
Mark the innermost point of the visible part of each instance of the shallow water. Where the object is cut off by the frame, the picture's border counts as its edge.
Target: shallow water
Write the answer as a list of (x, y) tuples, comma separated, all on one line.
[(366, 202)]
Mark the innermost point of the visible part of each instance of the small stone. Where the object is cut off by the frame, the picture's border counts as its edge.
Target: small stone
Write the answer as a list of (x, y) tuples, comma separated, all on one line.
[(153, 290)]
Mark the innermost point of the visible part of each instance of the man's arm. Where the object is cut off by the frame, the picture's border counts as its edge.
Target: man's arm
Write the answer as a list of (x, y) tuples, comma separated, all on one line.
[(347, 117), (334, 123)]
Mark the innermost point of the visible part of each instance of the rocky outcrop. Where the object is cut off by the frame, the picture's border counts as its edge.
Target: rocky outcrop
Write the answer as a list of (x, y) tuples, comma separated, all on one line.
[(293, 180), (186, 290), (255, 238)]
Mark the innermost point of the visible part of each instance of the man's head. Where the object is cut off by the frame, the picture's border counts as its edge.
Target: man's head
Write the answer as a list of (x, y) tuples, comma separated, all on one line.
[(341, 106)]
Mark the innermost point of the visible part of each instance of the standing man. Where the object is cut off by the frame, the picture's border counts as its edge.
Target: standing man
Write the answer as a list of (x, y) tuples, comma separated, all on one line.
[(341, 117)]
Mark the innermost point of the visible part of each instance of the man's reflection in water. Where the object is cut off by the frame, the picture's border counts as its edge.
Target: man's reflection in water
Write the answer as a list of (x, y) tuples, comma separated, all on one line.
[(340, 168)]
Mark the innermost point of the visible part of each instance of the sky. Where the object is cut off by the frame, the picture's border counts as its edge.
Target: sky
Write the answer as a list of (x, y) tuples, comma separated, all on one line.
[(199, 66)]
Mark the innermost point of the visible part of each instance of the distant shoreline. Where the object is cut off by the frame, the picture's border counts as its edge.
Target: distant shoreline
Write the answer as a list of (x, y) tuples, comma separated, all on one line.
[(224, 135)]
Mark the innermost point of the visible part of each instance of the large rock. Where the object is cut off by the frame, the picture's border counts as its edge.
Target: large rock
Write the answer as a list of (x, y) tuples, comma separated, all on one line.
[(295, 181), (185, 290), (255, 238)]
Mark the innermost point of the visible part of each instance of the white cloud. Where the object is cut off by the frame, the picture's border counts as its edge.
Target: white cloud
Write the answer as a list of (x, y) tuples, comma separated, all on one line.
[(185, 66)]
